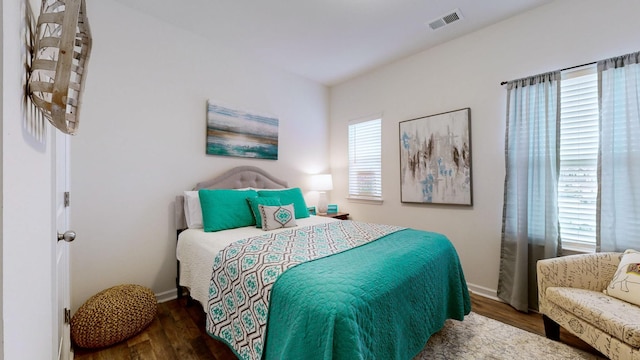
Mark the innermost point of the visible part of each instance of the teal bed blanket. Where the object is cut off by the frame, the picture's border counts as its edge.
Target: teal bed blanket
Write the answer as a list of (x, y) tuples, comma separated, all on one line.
[(380, 299)]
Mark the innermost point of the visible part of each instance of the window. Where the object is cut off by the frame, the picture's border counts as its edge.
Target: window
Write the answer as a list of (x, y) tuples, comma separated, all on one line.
[(578, 177), (365, 159)]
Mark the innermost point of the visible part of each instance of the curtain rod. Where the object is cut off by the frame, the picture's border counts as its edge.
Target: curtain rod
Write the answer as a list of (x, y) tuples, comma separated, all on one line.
[(569, 68)]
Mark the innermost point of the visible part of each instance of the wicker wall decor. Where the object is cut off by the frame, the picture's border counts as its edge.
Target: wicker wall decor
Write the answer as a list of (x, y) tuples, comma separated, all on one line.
[(59, 67)]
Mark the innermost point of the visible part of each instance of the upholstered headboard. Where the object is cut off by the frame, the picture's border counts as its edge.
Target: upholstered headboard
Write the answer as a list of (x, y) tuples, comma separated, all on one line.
[(236, 178)]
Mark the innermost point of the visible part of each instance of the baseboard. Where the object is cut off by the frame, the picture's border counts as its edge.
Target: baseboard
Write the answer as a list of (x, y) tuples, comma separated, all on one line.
[(167, 295), (484, 291)]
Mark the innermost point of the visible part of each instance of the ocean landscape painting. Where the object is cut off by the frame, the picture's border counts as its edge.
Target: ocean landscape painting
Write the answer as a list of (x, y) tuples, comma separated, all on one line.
[(435, 159), (239, 133)]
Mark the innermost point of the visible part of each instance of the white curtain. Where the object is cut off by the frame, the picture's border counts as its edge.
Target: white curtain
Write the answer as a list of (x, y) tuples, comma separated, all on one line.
[(619, 194), (530, 216)]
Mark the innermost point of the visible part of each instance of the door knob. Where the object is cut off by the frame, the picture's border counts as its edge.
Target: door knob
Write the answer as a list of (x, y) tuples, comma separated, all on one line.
[(68, 236)]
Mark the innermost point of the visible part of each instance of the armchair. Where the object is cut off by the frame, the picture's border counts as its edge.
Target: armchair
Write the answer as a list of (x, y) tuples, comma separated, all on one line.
[(570, 295)]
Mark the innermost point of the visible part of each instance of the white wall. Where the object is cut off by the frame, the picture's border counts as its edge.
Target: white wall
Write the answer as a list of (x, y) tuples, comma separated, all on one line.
[(1, 187), (463, 73), (141, 141), (27, 231)]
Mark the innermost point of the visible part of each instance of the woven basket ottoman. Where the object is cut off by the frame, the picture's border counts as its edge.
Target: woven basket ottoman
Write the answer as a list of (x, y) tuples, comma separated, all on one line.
[(113, 315)]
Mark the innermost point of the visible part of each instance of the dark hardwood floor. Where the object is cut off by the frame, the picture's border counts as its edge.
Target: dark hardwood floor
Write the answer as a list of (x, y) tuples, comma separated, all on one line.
[(178, 332)]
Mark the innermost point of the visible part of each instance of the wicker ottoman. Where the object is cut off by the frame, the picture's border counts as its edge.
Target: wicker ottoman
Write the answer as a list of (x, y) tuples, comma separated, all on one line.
[(113, 315)]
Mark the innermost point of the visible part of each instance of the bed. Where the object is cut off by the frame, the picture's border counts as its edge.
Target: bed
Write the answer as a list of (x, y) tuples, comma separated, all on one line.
[(322, 289)]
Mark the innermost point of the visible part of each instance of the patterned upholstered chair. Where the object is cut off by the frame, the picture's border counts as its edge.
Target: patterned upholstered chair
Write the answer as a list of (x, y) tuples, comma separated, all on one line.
[(570, 295)]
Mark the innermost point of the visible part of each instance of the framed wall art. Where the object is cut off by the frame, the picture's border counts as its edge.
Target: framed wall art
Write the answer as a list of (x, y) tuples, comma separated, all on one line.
[(240, 133), (435, 159)]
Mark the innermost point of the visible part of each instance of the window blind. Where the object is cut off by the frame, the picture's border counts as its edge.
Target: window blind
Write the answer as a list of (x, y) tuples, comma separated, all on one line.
[(365, 159), (579, 139)]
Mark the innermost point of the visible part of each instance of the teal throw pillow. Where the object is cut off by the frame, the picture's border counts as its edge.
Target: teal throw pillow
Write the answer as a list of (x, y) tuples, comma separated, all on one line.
[(255, 201), (289, 196), (225, 209), (276, 217)]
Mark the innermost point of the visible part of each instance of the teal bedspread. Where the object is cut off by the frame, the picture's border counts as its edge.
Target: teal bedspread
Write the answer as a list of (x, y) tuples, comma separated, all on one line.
[(381, 300)]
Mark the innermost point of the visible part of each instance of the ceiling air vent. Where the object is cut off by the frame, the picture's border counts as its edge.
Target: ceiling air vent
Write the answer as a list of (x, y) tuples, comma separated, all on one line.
[(447, 19)]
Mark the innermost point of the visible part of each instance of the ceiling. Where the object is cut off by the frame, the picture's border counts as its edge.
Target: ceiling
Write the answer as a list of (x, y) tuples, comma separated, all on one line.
[(328, 41)]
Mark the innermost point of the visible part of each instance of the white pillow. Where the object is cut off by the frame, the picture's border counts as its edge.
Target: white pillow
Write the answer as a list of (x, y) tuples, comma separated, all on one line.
[(276, 217), (625, 284), (192, 210)]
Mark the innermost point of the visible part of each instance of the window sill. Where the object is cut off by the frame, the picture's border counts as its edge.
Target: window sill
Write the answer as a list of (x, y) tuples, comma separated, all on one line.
[(365, 200), (576, 248)]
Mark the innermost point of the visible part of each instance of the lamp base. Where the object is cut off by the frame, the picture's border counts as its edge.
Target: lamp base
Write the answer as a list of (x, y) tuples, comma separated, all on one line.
[(322, 203)]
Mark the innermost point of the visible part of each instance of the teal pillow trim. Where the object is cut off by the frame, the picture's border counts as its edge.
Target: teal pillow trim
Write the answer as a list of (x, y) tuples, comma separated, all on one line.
[(226, 209), (254, 202), (289, 196)]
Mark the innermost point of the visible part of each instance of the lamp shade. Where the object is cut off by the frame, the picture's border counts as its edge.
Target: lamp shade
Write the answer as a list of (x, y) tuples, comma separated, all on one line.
[(321, 182)]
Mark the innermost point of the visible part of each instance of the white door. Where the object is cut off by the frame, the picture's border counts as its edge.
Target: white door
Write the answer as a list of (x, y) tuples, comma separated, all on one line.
[(61, 301)]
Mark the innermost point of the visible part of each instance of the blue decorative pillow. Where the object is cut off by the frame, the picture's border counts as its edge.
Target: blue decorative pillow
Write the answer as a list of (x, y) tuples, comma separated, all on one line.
[(276, 217), (289, 196), (255, 201), (226, 209)]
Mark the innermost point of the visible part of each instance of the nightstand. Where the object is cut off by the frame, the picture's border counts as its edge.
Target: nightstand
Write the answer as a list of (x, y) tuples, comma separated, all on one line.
[(338, 215)]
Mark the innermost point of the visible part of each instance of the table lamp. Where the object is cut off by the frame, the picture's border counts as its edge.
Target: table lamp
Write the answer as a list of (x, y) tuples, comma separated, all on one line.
[(322, 183)]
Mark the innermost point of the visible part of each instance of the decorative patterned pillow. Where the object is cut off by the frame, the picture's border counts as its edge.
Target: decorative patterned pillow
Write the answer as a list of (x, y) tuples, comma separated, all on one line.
[(626, 281), (276, 217)]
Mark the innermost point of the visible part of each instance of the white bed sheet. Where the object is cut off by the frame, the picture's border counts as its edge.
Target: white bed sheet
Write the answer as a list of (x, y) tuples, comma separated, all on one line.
[(196, 250)]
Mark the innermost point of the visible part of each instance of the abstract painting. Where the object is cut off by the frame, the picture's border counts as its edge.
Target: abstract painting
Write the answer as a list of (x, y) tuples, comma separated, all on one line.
[(233, 132), (435, 159)]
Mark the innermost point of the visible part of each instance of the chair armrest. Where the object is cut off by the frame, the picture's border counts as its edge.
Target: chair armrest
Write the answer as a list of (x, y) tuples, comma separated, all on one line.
[(583, 271)]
